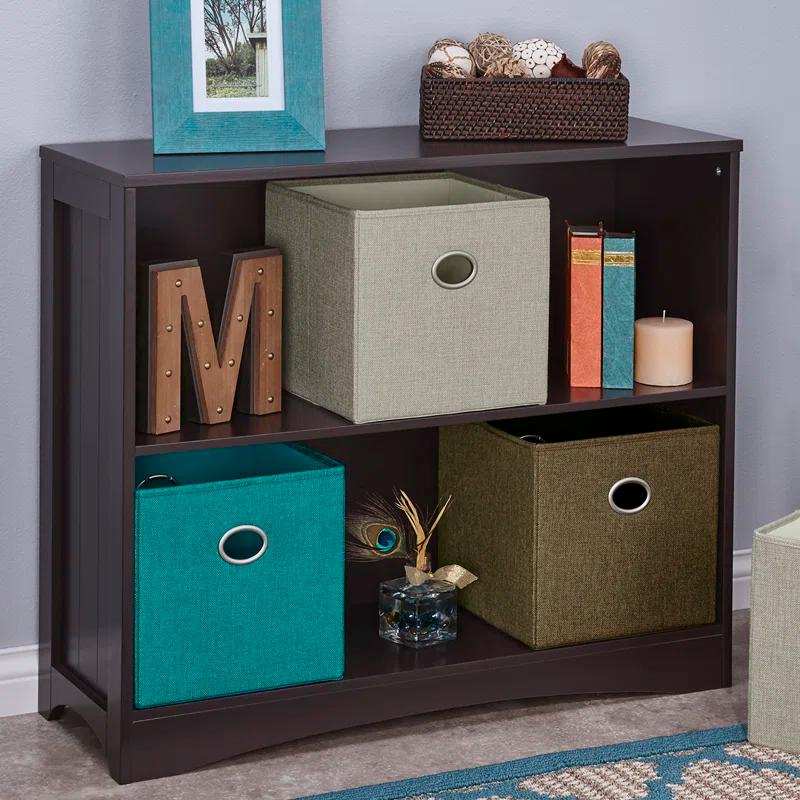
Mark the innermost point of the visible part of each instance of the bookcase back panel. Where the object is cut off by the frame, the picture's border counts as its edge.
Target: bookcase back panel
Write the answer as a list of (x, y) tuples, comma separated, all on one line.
[(379, 464), (679, 209)]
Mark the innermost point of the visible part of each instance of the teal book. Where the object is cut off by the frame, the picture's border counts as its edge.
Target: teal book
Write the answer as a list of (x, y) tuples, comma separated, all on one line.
[(619, 297)]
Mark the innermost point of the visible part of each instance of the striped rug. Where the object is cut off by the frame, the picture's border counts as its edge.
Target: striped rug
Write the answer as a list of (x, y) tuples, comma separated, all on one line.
[(716, 764)]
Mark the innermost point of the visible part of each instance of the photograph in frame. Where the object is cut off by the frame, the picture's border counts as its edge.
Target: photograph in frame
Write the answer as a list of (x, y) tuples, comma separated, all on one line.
[(237, 55), (236, 76)]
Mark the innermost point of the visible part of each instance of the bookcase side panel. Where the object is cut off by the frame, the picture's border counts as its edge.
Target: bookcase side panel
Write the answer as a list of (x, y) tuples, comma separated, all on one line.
[(87, 429), (80, 477)]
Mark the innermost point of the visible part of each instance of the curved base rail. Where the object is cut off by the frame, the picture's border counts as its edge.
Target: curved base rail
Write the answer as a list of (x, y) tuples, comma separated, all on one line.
[(175, 739)]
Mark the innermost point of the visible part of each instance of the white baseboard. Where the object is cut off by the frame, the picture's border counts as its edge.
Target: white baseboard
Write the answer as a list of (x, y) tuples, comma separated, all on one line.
[(742, 565), (19, 677), (19, 668)]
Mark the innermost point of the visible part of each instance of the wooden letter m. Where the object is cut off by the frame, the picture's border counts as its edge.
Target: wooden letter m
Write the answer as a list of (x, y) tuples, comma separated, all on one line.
[(177, 298)]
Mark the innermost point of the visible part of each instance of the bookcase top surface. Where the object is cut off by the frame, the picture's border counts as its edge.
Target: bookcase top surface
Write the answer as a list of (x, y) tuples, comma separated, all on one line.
[(131, 163)]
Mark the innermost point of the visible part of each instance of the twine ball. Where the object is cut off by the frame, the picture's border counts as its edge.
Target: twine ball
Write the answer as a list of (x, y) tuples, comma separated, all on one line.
[(445, 41), (508, 67), (456, 55), (602, 60), (486, 48), (540, 55), (441, 70)]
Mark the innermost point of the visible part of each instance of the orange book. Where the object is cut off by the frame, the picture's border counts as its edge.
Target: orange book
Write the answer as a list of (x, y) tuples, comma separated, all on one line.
[(585, 301)]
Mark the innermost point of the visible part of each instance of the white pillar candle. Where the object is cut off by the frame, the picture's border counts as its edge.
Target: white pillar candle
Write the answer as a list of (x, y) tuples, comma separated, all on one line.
[(663, 351)]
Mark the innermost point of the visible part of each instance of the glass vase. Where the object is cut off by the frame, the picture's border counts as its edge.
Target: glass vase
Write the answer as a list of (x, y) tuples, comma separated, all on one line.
[(418, 615)]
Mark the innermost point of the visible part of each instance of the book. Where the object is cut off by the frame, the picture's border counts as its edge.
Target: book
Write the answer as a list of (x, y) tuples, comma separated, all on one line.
[(585, 305), (619, 292)]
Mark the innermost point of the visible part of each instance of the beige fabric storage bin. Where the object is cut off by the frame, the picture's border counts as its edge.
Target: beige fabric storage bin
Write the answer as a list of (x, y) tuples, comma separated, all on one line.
[(553, 533), (774, 698), (412, 295)]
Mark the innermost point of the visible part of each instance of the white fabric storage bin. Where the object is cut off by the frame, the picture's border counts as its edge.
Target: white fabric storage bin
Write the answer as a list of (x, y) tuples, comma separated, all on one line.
[(412, 295), (774, 691)]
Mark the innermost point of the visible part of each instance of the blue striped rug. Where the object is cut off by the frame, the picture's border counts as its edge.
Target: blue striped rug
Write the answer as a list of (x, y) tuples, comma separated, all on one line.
[(716, 764)]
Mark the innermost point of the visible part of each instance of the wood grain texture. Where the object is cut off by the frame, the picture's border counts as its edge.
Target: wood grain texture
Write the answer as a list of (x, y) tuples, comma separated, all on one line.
[(178, 128), (260, 381), (177, 295)]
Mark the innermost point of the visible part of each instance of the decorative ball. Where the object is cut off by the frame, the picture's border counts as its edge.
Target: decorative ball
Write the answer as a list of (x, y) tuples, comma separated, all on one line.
[(445, 41), (540, 55), (602, 60), (566, 68), (486, 48), (439, 69), (456, 55), (508, 67)]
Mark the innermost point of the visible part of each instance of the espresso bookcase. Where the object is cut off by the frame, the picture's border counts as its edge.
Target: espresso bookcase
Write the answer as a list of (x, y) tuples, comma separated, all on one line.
[(110, 207)]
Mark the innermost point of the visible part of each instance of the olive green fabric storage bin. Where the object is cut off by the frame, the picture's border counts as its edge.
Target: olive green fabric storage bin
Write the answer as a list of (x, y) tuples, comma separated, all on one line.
[(556, 563), (412, 295)]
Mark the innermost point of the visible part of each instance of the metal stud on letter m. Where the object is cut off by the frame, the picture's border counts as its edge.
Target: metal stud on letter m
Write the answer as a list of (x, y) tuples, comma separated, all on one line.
[(178, 300)]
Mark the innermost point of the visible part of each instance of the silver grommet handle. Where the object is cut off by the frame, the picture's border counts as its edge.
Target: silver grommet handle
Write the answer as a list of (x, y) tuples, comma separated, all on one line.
[(242, 529), (454, 270), (149, 478), (630, 495)]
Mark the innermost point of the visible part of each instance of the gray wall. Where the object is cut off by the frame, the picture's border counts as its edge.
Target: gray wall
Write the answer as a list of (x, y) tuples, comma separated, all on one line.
[(79, 70)]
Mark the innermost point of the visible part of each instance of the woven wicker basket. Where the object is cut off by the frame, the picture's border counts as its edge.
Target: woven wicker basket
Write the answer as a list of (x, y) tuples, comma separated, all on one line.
[(569, 109)]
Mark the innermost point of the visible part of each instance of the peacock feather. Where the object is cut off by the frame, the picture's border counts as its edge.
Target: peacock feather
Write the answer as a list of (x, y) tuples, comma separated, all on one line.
[(377, 530), (392, 529)]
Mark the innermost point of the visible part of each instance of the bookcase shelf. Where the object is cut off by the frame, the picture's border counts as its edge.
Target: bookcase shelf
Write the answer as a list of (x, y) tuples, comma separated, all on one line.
[(302, 421), (109, 207), (373, 662)]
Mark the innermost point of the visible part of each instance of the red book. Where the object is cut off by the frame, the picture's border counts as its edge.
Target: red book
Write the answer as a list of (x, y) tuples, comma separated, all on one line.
[(585, 306)]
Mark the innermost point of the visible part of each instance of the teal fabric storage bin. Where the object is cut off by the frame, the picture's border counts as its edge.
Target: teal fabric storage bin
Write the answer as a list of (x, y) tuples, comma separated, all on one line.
[(239, 572)]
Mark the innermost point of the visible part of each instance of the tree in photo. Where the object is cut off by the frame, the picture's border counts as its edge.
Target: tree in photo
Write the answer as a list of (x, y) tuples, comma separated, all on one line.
[(231, 57)]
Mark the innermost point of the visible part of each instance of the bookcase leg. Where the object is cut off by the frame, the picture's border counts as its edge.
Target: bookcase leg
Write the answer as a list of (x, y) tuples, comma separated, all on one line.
[(53, 712)]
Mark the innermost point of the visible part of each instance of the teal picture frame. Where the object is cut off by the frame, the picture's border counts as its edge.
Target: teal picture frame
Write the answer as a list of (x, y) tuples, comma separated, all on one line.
[(178, 128)]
